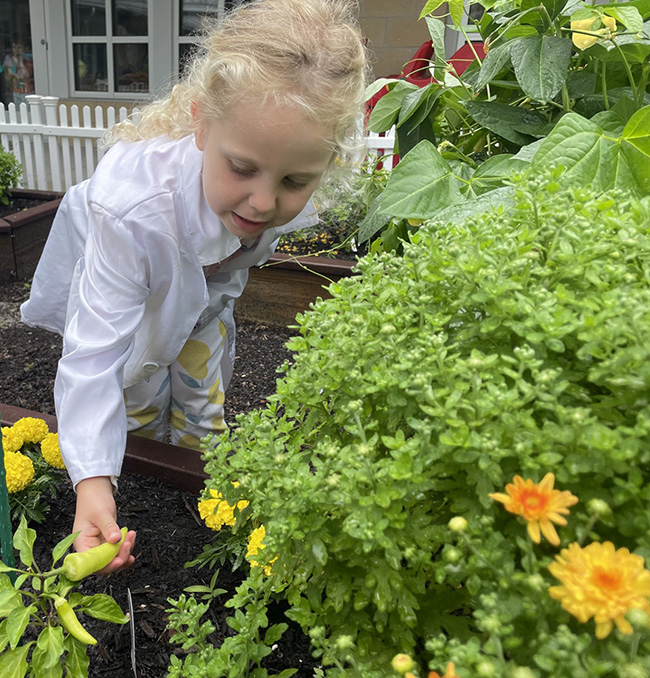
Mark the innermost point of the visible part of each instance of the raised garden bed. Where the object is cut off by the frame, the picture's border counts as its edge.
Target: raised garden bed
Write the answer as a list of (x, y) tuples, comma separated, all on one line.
[(24, 227)]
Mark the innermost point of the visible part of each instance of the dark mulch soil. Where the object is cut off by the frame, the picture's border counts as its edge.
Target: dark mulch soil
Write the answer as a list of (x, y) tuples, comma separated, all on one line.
[(170, 532), (18, 204)]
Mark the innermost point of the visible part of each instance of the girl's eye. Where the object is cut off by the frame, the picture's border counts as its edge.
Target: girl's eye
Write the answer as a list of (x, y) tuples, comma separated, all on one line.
[(239, 171), (295, 184)]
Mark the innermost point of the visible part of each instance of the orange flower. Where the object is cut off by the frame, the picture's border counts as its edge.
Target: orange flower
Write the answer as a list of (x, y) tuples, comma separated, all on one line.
[(539, 504), (601, 582), (449, 673)]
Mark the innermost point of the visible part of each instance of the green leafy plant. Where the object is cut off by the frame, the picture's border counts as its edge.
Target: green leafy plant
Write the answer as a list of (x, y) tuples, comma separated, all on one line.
[(510, 343), (537, 98), (10, 173), (40, 632)]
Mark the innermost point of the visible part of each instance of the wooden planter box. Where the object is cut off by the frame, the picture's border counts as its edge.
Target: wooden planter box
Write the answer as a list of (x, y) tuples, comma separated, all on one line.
[(179, 467), (287, 285), (23, 234)]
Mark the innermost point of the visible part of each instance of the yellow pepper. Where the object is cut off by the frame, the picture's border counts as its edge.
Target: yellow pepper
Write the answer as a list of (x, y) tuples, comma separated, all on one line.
[(70, 622), (583, 41)]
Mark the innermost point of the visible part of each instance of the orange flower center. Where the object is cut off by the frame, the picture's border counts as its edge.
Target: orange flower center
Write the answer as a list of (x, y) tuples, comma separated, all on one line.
[(533, 501), (604, 578)]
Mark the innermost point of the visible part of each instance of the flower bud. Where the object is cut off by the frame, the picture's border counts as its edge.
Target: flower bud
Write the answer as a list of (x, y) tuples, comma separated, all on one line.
[(402, 663), (344, 642), (640, 619), (458, 524), (635, 670), (523, 672), (599, 508)]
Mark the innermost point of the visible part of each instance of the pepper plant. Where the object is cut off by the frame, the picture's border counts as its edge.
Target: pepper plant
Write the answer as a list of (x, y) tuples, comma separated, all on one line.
[(40, 632), (510, 344), (10, 173)]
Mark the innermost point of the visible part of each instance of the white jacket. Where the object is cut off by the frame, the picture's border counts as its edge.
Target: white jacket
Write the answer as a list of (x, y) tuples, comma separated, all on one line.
[(121, 279)]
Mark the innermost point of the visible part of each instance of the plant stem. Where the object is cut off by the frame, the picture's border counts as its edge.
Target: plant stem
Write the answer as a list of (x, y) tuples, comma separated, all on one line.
[(603, 79), (633, 84)]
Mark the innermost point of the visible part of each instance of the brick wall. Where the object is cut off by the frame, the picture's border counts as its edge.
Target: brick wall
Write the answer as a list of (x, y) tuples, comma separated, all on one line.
[(393, 32)]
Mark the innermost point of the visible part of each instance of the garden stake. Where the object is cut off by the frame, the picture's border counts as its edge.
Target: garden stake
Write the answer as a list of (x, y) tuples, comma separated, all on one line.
[(6, 536)]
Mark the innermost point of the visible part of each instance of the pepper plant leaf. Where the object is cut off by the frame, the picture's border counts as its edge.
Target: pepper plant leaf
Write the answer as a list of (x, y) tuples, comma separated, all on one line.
[(420, 185), (541, 65), (13, 663)]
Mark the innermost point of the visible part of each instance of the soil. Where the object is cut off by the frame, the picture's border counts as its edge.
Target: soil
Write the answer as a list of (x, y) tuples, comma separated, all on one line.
[(170, 532), (17, 205)]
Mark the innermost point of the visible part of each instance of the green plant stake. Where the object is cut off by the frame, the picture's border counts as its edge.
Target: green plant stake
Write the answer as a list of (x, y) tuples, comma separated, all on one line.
[(6, 538)]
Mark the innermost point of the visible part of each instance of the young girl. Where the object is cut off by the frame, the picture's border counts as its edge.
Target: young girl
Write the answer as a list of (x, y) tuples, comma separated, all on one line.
[(145, 259)]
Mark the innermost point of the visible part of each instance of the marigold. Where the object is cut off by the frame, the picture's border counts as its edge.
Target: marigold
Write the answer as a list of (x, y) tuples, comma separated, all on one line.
[(449, 673), (12, 440), (19, 471), (539, 504), (216, 512), (601, 582), (51, 451), (32, 430), (255, 544)]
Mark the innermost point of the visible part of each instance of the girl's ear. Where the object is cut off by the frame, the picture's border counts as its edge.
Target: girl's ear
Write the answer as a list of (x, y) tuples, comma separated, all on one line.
[(199, 125)]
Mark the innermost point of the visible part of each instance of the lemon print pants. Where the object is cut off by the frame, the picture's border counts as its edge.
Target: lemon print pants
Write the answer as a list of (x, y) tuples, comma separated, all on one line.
[(186, 400)]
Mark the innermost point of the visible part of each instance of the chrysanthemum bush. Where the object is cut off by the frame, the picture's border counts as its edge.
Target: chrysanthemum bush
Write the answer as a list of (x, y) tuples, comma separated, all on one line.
[(33, 465), (455, 467)]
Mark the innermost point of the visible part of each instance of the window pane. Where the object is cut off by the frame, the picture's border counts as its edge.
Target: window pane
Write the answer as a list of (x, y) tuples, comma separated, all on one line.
[(90, 72), (88, 17), (130, 17), (16, 58), (131, 68), (192, 14)]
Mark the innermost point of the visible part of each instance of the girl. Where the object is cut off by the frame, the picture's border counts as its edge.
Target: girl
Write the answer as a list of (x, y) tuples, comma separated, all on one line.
[(145, 259)]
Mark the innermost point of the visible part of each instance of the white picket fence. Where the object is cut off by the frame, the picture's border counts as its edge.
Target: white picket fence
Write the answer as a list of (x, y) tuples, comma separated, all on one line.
[(57, 146)]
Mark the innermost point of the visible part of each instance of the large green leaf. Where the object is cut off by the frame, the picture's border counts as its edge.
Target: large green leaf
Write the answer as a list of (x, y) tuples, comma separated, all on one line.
[(13, 663), (420, 102), (553, 7), (437, 33), (459, 213), (494, 62), (46, 658), (492, 173), (635, 145), (504, 120), (541, 65), (420, 185), (630, 17), (385, 112)]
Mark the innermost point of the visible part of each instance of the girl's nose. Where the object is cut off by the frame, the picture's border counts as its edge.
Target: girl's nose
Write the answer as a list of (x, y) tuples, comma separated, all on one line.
[(262, 200)]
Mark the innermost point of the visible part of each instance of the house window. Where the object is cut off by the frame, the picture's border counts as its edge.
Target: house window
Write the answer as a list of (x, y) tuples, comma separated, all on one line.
[(110, 46), (192, 16)]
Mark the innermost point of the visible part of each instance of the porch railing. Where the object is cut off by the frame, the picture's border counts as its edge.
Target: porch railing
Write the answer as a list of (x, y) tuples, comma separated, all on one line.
[(57, 145)]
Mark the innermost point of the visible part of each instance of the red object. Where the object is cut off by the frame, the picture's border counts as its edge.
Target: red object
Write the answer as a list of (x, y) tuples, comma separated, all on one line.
[(416, 70)]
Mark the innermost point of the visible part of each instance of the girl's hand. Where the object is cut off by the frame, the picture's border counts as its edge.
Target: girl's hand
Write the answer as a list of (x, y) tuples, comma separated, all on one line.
[(96, 519)]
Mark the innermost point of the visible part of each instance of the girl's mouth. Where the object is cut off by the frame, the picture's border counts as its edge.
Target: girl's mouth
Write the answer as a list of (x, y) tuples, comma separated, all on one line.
[(247, 225)]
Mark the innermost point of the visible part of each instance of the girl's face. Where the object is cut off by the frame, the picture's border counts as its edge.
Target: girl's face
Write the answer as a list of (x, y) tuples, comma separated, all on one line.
[(260, 166)]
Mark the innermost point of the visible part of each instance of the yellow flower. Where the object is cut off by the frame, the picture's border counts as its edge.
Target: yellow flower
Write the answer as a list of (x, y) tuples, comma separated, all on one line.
[(12, 440), (19, 470), (32, 430), (51, 451), (601, 582), (583, 41), (255, 544), (539, 504), (216, 512)]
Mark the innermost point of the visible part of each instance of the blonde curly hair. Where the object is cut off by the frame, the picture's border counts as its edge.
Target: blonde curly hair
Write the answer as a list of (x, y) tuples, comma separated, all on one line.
[(303, 53)]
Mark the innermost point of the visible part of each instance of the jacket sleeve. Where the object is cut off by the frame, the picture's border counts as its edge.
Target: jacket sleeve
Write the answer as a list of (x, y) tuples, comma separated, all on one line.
[(107, 301)]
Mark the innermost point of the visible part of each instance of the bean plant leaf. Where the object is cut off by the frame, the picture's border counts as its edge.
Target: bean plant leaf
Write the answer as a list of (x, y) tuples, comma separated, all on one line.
[(385, 112), (430, 7), (46, 658), (378, 85), (494, 62), (630, 17), (437, 33), (418, 104), (509, 122), (374, 221), (635, 144), (635, 49), (553, 7), (13, 663), (420, 185), (541, 65), (492, 173)]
